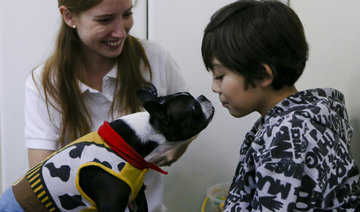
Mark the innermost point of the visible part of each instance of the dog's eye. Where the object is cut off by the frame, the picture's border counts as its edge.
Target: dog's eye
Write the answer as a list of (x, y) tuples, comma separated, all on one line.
[(195, 107)]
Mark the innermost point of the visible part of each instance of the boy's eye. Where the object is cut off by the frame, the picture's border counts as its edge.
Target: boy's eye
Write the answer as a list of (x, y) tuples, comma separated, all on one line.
[(219, 77)]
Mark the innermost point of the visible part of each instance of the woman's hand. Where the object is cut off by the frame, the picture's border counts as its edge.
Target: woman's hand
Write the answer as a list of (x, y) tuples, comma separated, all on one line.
[(169, 157)]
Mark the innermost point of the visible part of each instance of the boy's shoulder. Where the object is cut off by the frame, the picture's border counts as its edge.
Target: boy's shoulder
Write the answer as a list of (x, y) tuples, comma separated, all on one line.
[(308, 114), (320, 105)]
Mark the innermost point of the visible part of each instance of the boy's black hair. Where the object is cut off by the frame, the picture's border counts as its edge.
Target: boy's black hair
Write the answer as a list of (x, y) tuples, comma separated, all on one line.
[(245, 35)]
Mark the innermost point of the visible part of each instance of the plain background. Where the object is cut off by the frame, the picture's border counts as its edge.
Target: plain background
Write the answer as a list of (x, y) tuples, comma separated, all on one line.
[(27, 34)]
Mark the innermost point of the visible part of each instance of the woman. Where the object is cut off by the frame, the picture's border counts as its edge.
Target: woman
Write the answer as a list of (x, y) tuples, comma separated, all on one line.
[(93, 76)]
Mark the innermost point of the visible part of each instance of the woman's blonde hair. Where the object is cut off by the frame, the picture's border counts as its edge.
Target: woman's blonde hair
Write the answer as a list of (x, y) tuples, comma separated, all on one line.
[(66, 65)]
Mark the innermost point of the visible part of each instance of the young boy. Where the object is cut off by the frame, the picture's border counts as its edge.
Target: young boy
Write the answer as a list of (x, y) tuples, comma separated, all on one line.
[(296, 156)]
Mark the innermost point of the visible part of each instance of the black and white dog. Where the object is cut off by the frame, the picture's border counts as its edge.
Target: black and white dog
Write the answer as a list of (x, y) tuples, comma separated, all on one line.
[(104, 170)]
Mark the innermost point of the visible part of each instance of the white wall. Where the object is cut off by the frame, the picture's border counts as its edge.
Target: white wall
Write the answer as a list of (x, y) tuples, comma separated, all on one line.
[(1, 82), (27, 29), (27, 33)]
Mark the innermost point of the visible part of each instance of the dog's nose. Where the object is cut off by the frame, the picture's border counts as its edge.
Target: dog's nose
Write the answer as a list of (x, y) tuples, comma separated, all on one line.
[(202, 98)]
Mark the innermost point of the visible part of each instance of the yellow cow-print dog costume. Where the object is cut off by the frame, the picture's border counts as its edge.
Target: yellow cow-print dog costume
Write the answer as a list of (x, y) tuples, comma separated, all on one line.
[(53, 185)]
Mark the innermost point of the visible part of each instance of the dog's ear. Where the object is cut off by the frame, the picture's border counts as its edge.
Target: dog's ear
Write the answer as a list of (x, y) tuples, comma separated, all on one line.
[(145, 96), (147, 93), (155, 110)]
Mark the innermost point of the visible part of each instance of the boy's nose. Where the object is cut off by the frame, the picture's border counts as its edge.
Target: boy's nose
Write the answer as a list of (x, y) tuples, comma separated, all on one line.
[(215, 87)]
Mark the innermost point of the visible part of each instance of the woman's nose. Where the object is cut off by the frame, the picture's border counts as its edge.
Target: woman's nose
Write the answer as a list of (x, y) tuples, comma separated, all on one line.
[(119, 30), (122, 27)]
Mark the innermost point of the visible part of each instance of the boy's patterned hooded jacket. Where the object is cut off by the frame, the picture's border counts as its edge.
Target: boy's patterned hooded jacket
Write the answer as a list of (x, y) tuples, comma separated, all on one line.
[(297, 158)]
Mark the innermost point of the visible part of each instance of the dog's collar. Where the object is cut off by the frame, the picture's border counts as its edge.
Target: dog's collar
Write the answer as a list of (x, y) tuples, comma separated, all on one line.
[(118, 144)]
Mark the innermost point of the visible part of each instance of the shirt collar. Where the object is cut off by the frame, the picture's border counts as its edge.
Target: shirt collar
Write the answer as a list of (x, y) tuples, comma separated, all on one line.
[(111, 74)]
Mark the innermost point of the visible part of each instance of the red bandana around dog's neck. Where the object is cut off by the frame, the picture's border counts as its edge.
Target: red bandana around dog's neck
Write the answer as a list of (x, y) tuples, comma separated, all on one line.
[(118, 144)]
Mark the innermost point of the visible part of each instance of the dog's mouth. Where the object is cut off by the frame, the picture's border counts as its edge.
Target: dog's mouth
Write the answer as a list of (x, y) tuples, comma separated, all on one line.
[(207, 108)]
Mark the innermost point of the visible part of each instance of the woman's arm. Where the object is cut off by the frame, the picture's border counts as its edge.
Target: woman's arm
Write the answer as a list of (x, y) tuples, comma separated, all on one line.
[(41, 131), (35, 156)]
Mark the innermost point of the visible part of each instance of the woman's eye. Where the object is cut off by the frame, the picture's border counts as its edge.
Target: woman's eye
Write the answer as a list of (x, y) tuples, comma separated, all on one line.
[(105, 20), (128, 14)]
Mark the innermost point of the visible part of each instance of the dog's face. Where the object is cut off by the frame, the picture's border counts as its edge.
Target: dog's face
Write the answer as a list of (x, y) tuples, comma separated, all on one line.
[(179, 116)]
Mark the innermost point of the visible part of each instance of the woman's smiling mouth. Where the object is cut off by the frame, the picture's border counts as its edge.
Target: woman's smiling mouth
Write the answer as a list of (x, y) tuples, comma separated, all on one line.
[(113, 44)]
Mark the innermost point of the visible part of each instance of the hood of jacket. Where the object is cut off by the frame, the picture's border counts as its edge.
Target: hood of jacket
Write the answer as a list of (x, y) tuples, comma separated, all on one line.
[(325, 106)]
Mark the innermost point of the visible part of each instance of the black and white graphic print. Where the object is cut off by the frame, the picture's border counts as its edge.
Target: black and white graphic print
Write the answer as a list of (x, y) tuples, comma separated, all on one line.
[(298, 160)]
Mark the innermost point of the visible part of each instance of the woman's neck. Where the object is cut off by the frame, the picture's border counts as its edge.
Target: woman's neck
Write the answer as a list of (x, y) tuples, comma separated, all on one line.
[(95, 70)]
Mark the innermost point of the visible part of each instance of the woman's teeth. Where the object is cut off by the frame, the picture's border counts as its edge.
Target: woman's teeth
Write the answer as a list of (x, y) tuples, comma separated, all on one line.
[(114, 44)]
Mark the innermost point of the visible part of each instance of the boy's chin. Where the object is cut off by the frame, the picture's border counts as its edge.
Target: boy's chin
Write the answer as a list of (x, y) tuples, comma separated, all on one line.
[(237, 114)]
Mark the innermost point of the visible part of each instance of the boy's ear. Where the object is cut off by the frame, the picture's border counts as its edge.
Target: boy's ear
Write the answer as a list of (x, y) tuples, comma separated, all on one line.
[(67, 16), (267, 81)]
